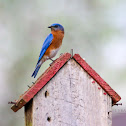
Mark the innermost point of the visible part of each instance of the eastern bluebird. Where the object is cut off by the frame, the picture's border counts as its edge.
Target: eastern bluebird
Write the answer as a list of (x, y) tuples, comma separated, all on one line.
[(50, 46)]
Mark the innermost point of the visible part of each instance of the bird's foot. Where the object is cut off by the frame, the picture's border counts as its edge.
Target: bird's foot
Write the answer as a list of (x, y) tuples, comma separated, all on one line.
[(52, 61), (61, 54)]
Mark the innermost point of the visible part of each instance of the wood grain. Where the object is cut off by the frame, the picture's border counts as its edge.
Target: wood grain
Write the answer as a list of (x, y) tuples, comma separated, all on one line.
[(53, 70), (115, 97), (73, 100), (41, 81)]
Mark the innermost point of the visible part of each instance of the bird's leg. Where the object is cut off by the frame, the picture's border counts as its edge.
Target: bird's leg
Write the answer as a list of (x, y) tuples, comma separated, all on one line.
[(52, 59)]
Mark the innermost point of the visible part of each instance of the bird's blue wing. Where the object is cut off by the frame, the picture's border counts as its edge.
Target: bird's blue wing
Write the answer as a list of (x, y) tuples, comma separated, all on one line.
[(45, 46)]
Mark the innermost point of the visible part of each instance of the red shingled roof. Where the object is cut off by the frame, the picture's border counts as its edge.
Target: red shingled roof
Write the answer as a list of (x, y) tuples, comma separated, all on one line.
[(52, 70)]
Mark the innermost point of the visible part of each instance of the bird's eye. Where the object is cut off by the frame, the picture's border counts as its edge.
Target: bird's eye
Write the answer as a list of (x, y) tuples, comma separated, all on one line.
[(56, 26)]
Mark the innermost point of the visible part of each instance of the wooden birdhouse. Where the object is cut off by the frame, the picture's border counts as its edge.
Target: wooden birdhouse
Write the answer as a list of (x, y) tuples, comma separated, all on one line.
[(68, 93)]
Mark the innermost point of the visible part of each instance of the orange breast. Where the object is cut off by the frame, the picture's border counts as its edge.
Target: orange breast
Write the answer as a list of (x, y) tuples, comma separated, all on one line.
[(56, 42)]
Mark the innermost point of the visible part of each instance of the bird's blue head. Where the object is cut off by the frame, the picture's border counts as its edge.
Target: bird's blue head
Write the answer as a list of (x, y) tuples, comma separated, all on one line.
[(56, 27)]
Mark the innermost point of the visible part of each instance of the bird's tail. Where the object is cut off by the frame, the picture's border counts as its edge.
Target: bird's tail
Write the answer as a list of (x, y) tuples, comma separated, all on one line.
[(36, 71)]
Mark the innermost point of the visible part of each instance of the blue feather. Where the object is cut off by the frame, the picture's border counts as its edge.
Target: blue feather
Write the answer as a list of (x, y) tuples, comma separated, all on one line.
[(45, 46), (60, 27), (36, 71)]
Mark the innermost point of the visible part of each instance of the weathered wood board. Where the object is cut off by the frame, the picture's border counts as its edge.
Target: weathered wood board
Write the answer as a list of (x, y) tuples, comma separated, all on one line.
[(72, 98)]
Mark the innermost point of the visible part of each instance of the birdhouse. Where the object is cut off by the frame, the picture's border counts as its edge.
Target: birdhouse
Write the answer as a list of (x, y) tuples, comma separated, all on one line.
[(68, 93)]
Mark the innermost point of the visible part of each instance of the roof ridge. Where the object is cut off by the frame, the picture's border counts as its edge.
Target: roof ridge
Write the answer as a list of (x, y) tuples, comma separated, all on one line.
[(51, 72)]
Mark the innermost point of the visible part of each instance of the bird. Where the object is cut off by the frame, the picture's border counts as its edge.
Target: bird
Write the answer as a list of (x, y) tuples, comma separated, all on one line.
[(51, 45)]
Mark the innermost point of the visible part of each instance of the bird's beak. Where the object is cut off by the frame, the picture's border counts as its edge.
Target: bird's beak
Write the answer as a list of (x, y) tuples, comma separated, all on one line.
[(49, 26)]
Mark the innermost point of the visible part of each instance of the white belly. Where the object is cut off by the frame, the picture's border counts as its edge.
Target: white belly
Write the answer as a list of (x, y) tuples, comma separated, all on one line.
[(54, 52)]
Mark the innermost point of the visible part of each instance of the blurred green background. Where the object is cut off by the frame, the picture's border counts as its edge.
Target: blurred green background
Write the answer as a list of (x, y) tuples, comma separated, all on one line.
[(94, 29)]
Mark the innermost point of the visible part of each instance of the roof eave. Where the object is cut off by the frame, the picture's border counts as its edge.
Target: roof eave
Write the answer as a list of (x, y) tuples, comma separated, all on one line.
[(51, 72)]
